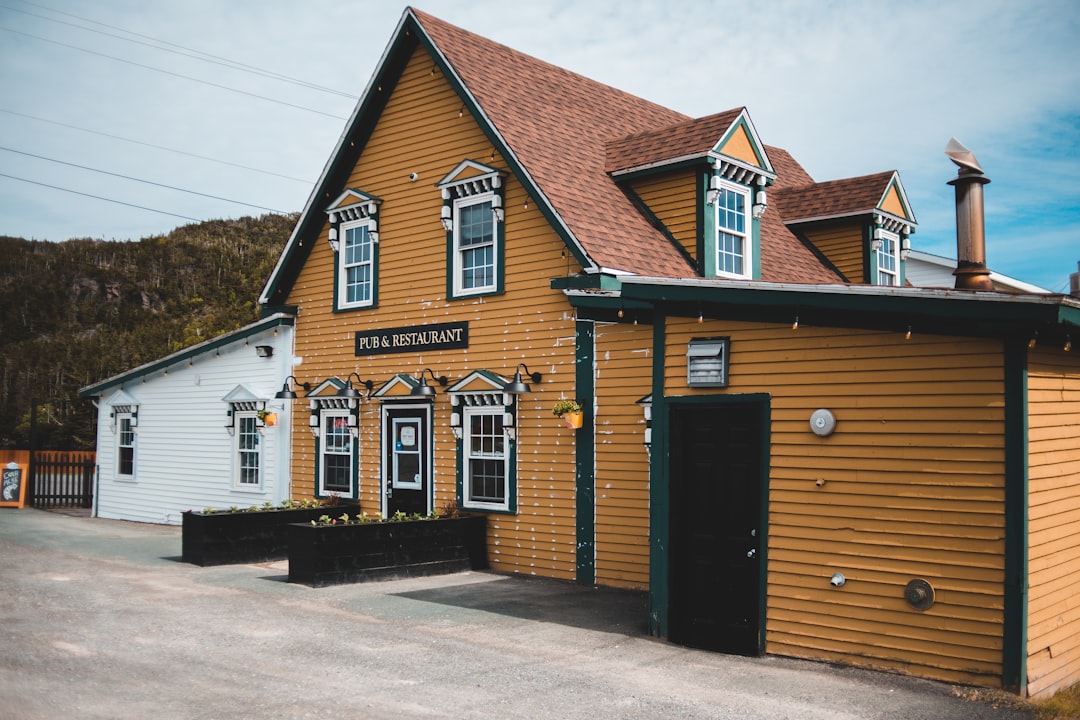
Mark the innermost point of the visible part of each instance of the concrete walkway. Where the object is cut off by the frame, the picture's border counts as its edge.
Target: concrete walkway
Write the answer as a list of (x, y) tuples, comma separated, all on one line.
[(101, 620)]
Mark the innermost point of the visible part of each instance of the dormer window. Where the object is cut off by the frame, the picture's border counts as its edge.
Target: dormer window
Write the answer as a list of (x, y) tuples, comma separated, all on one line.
[(887, 257), (472, 215), (733, 242)]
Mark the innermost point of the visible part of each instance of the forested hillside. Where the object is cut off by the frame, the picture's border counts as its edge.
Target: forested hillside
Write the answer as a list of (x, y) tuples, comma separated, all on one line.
[(75, 312)]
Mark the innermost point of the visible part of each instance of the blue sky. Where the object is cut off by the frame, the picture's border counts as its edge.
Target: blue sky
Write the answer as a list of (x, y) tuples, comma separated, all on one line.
[(151, 92)]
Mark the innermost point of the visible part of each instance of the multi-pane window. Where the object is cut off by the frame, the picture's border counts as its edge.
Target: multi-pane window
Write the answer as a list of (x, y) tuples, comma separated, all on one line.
[(474, 241), (485, 459), (357, 271), (125, 446), (732, 224), (887, 259), (248, 454), (335, 454)]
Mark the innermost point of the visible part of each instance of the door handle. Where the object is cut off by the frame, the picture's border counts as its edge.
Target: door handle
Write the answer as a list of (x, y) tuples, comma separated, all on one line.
[(751, 553)]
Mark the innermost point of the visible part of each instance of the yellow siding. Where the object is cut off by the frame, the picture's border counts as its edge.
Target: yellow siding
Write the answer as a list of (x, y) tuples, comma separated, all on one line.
[(913, 488), (892, 203), (1054, 521), (843, 246), (740, 147), (672, 198), (623, 361), (421, 132)]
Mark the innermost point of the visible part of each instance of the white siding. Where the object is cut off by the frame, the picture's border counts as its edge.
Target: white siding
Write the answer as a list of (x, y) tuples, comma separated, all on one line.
[(183, 453)]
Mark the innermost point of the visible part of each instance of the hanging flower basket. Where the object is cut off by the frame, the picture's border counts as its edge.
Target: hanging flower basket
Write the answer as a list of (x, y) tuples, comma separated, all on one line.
[(569, 411)]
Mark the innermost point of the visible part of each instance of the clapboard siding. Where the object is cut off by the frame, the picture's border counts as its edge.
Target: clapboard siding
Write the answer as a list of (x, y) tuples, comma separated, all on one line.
[(624, 357), (1053, 521), (912, 487), (420, 131), (843, 246), (183, 454), (672, 198)]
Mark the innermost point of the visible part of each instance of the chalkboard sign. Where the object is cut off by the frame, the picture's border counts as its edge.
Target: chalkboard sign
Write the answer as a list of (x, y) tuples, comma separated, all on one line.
[(13, 487)]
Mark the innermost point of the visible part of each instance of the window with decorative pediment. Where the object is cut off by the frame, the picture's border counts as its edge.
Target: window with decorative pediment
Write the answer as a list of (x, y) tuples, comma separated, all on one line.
[(472, 215), (736, 201), (483, 421), (354, 238)]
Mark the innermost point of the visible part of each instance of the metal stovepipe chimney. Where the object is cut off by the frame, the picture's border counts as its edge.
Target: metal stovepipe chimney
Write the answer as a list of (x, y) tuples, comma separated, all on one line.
[(971, 271)]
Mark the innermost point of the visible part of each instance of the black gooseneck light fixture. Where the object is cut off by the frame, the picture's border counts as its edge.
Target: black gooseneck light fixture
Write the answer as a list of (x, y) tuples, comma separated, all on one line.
[(351, 392), (425, 390), (288, 394), (519, 387)]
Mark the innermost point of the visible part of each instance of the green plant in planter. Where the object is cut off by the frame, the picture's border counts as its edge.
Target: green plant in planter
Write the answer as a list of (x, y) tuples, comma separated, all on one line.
[(565, 406)]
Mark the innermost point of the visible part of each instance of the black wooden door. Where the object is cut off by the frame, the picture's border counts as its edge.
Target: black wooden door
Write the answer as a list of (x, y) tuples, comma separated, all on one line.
[(407, 476), (715, 569)]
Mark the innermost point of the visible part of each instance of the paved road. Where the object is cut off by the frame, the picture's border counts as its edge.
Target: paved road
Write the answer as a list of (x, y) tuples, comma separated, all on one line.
[(99, 619)]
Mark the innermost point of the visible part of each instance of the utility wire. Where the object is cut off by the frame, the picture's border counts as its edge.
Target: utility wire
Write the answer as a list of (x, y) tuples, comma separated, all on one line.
[(158, 147), (98, 197), (180, 49), (173, 74), (146, 182)]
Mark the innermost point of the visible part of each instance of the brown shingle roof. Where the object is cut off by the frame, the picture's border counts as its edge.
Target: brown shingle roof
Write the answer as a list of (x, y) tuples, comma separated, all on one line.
[(836, 198), (566, 131), (693, 138)]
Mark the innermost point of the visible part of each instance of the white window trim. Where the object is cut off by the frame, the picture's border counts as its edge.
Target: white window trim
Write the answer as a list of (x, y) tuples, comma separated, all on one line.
[(466, 444), (121, 417), (458, 265), (887, 238), (747, 235), (342, 275), (240, 415), (322, 490)]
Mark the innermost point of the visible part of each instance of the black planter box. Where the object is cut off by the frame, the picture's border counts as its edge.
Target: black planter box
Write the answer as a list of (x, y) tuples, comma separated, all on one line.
[(330, 555), (224, 538)]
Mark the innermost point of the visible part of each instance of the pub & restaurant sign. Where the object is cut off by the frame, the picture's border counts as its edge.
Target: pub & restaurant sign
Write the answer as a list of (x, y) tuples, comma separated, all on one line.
[(442, 336)]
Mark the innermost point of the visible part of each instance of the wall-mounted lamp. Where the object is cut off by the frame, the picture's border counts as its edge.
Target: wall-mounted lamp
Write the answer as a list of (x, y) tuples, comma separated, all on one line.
[(333, 239), (425, 390), (287, 394), (517, 386), (447, 218), (349, 391), (264, 350)]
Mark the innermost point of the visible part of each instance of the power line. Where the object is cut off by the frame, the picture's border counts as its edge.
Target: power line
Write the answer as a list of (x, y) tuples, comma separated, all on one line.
[(180, 49), (173, 74), (146, 182), (158, 147), (98, 197)]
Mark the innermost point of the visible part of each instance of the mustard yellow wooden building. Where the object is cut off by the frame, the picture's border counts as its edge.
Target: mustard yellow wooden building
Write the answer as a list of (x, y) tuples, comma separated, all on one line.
[(791, 450)]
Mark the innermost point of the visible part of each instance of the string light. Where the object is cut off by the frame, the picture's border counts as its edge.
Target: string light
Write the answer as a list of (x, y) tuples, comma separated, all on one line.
[(1068, 344), (1033, 340), (907, 335), (795, 325)]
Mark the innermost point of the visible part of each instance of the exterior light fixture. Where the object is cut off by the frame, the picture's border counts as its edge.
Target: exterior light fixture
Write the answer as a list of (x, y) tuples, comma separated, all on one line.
[(333, 239), (263, 350), (517, 386), (349, 391), (285, 393), (425, 390)]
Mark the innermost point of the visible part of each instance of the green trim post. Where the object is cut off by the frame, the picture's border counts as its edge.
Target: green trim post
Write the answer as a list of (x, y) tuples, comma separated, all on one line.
[(659, 491), (585, 457), (1014, 633)]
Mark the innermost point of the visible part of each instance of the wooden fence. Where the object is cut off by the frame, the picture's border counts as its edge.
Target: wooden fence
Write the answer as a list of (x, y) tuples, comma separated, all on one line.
[(57, 478)]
